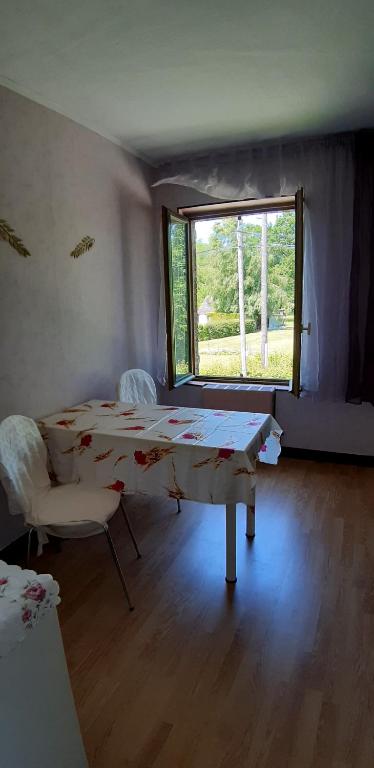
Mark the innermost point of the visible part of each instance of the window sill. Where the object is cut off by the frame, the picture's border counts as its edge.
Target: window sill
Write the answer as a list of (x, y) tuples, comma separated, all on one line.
[(204, 382)]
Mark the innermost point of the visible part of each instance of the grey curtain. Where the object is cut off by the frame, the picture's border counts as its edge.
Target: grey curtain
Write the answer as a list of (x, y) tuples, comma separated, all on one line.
[(360, 387)]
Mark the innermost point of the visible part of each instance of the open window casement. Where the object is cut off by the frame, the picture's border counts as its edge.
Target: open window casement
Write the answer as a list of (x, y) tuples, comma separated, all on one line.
[(178, 297), (299, 268), (180, 230)]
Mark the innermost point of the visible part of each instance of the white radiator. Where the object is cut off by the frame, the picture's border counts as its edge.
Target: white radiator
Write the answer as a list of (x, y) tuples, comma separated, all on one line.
[(257, 398)]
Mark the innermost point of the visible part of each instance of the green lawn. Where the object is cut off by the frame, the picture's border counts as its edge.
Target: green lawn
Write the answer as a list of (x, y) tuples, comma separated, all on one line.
[(221, 357)]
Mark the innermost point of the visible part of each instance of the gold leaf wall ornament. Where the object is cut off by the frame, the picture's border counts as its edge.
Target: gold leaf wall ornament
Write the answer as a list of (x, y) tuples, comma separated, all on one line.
[(84, 245), (8, 235)]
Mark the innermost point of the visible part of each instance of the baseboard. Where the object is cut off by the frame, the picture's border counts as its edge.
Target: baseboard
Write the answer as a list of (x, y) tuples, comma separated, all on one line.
[(360, 460)]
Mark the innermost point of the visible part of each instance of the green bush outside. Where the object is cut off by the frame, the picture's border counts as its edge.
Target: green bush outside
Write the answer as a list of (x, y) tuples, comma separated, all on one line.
[(220, 326)]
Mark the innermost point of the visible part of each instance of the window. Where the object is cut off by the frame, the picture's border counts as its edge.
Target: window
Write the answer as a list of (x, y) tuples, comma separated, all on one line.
[(233, 276), (178, 297)]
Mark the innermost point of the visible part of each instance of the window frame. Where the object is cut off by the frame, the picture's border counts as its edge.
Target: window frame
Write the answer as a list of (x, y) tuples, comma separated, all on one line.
[(190, 214), (167, 215)]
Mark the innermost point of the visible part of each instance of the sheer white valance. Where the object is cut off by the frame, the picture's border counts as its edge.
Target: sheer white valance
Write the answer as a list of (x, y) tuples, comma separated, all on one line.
[(324, 168)]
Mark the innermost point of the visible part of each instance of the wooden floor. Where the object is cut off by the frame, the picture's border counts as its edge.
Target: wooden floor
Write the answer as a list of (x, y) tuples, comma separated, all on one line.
[(274, 672)]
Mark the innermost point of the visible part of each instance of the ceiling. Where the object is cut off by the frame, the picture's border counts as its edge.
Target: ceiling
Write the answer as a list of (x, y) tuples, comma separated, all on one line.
[(165, 77)]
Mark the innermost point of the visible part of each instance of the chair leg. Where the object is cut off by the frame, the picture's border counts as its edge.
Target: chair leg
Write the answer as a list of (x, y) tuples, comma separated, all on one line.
[(179, 507), (29, 546), (118, 566), (130, 530)]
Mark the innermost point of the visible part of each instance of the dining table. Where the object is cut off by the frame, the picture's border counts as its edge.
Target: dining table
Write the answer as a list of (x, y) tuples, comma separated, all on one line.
[(195, 454)]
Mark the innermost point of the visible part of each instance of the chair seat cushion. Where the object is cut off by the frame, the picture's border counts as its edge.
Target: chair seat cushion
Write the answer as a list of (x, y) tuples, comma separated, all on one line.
[(74, 511)]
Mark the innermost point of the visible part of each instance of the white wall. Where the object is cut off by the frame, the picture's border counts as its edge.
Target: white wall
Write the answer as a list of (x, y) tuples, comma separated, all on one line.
[(70, 327), (323, 426)]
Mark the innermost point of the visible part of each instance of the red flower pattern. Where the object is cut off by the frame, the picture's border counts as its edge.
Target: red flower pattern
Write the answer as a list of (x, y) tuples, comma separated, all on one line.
[(117, 486), (120, 458), (180, 421), (103, 456), (35, 592), (140, 457), (152, 457), (243, 471), (3, 581), (217, 454), (65, 423), (222, 455), (86, 441), (26, 616), (225, 453)]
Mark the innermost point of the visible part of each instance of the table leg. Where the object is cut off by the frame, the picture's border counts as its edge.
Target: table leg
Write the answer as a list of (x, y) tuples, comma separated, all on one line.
[(231, 543), (251, 516)]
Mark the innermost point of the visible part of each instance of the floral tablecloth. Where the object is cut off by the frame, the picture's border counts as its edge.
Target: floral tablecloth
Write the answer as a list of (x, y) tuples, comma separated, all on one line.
[(184, 453), (25, 597)]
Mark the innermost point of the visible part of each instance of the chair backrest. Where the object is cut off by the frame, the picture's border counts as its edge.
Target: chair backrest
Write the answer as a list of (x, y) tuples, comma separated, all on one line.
[(23, 463), (137, 386)]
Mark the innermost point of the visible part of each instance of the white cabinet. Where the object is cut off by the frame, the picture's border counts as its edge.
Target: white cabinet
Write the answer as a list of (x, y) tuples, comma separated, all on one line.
[(39, 726), (38, 722)]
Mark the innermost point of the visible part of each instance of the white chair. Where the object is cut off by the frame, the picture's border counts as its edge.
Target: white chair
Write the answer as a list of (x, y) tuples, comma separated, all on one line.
[(65, 511), (137, 386)]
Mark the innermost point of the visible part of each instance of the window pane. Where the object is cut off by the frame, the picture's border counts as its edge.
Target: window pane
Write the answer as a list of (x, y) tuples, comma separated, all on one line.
[(180, 299), (281, 287), (245, 295)]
